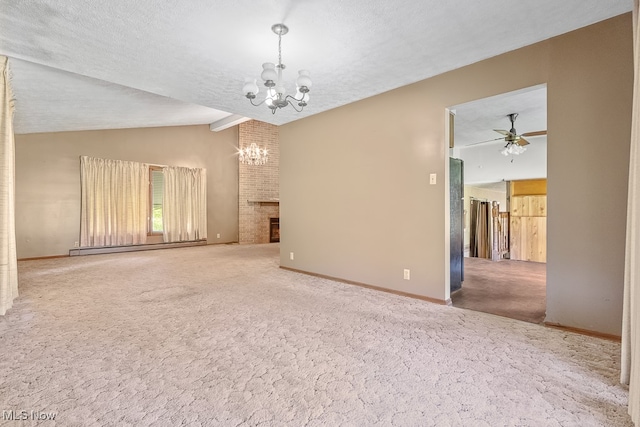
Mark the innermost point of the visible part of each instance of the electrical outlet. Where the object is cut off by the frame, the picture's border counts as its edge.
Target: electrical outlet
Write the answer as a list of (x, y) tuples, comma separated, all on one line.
[(76, 244), (218, 235), (407, 274), (291, 256)]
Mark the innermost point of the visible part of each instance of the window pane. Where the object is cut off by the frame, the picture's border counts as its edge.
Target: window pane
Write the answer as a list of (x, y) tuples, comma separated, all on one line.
[(157, 186)]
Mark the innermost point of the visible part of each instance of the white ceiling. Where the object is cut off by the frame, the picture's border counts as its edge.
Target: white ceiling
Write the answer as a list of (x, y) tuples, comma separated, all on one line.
[(111, 64), (65, 101), (475, 121)]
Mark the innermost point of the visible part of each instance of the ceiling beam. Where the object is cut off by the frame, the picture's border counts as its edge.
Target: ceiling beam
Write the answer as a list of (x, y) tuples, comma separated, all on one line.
[(227, 122)]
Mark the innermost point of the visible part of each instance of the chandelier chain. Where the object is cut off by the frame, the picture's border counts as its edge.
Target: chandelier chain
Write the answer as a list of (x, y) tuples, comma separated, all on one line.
[(280, 50)]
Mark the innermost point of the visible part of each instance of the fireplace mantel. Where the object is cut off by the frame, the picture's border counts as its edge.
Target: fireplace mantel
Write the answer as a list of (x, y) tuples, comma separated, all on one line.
[(264, 201)]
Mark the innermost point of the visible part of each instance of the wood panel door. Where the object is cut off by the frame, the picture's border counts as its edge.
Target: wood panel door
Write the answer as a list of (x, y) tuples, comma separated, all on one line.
[(528, 228)]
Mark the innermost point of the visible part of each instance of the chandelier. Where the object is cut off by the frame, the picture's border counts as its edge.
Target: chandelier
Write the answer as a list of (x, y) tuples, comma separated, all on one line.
[(276, 96), (253, 155), (513, 148)]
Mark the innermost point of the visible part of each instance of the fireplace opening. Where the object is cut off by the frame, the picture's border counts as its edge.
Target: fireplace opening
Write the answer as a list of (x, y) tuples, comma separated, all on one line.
[(274, 230)]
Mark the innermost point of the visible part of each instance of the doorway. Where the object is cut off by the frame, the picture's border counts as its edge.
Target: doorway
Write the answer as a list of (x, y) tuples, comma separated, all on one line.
[(502, 142)]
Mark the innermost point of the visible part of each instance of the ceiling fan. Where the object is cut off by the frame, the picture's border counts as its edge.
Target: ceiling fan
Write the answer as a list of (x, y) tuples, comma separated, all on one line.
[(515, 142)]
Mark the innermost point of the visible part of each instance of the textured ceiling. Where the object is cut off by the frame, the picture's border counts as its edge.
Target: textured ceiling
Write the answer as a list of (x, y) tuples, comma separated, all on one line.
[(475, 121), (51, 100), (124, 57)]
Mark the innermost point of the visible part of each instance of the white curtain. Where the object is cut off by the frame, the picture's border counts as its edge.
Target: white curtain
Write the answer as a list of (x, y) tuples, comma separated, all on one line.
[(630, 373), (184, 205), (8, 259), (114, 202)]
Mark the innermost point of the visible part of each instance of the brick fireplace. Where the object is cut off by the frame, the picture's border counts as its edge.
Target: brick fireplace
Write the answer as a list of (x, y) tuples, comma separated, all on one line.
[(259, 186), (274, 230)]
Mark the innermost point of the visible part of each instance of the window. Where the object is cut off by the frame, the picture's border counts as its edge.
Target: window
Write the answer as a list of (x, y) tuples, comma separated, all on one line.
[(156, 189), (131, 203)]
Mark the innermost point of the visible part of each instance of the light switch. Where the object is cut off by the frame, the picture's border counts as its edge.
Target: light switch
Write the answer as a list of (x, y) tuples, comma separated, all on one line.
[(432, 179)]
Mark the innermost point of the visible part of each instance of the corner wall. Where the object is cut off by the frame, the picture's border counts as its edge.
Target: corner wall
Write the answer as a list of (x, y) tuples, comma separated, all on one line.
[(48, 178), (363, 209), (589, 113)]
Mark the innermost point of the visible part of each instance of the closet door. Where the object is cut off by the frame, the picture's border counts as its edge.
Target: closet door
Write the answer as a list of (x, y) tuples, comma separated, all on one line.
[(529, 228), (456, 206)]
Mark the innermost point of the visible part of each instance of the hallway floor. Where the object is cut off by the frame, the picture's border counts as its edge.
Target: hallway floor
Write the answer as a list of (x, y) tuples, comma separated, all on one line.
[(514, 289)]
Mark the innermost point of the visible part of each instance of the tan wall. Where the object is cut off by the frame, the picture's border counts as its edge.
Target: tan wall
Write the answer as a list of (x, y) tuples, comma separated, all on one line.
[(48, 178), (354, 182), (589, 113), (258, 183)]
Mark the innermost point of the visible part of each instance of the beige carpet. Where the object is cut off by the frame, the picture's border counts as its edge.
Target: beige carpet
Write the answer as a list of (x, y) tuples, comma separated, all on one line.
[(219, 335)]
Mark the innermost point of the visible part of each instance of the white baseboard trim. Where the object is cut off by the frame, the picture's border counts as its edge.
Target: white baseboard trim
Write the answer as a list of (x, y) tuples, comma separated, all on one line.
[(132, 248)]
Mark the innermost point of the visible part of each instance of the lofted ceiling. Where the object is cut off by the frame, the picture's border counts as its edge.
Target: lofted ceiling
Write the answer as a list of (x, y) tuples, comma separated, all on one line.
[(115, 64)]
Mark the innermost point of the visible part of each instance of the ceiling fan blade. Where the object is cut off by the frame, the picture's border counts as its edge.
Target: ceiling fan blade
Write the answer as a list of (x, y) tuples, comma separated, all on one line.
[(504, 132), (522, 142), (537, 133), (482, 142)]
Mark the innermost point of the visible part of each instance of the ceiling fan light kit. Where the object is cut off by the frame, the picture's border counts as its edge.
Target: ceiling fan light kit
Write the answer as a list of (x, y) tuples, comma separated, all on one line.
[(276, 96), (512, 148), (515, 143)]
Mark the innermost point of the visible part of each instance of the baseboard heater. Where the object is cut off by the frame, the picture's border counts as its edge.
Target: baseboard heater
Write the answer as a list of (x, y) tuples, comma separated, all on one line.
[(133, 248)]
